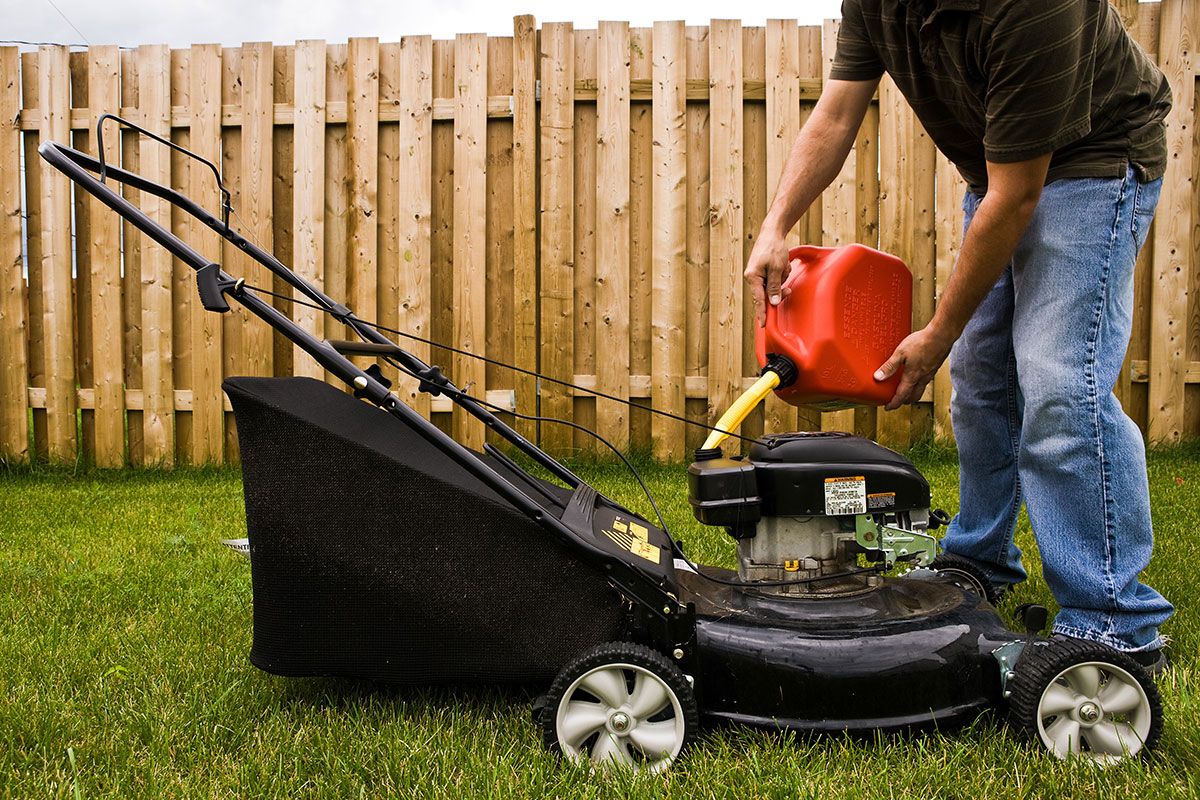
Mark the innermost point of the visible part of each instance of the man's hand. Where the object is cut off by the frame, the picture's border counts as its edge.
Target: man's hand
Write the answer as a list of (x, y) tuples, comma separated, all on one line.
[(920, 354), (766, 270)]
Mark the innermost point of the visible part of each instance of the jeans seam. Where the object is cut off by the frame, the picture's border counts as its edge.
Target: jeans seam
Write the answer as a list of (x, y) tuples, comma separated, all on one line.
[(1093, 396), (1133, 215), (1014, 434)]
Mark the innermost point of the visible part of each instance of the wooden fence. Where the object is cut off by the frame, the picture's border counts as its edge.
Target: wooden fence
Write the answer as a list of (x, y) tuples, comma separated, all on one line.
[(579, 202)]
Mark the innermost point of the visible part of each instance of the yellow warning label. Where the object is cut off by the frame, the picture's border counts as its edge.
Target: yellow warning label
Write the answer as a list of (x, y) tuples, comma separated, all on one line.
[(636, 540), (646, 551)]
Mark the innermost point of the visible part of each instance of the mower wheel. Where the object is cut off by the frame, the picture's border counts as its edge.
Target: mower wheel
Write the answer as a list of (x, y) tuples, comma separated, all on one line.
[(620, 704), (963, 573), (1084, 699)]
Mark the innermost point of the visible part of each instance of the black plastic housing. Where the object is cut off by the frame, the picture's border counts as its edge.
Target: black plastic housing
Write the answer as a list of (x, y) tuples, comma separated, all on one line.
[(724, 492), (785, 476)]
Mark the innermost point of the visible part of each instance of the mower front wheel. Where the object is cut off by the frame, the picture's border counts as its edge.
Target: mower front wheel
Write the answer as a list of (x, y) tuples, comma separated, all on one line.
[(1081, 699), (620, 705)]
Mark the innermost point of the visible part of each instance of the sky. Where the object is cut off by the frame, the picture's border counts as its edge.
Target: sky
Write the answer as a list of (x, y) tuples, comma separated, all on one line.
[(231, 22)]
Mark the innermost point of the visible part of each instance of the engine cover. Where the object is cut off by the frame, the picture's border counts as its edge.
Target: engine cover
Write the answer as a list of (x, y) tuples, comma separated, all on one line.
[(805, 506), (805, 474)]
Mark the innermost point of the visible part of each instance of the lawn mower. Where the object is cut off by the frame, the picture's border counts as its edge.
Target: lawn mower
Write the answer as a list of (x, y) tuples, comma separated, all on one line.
[(381, 548)]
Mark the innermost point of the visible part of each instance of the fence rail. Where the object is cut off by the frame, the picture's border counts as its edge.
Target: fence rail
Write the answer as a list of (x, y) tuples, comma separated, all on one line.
[(580, 202)]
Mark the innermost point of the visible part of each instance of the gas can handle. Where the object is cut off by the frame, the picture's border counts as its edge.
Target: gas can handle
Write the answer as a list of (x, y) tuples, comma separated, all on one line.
[(806, 254)]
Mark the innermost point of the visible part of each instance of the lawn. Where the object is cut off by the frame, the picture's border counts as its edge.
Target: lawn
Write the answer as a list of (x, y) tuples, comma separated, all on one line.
[(125, 625)]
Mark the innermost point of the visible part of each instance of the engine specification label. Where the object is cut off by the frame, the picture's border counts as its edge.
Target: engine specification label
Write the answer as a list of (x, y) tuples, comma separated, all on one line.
[(846, 495)]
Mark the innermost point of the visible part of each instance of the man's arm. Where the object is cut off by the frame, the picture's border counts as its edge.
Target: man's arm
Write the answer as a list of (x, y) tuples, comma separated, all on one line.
[(997, 227), (816, 159)]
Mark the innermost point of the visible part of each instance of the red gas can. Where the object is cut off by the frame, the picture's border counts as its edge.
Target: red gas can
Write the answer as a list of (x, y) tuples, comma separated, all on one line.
[(847, 310)]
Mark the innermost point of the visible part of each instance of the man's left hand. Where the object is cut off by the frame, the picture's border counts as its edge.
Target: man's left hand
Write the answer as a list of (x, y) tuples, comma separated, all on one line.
[(920, 354)]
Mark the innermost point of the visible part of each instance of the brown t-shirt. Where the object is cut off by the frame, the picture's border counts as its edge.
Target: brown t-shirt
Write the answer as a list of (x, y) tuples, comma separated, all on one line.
[(1010, 80)]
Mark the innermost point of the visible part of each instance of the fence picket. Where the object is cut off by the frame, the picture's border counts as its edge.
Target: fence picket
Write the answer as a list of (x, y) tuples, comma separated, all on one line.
[(105, 256), (725, 210), (257, 208), (557, 230), (309, 192), (14, 426), (612, 230), (783, 126), (416, 198), (470, 220), (204, 97), (950, 189), (670, 237), (57, 310), (362, 135), (525, 213), (1173, 232)]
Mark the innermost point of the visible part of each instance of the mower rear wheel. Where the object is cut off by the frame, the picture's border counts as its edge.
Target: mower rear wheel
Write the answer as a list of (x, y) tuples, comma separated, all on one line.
[(963, 573), (1083, 699), (620, 705)]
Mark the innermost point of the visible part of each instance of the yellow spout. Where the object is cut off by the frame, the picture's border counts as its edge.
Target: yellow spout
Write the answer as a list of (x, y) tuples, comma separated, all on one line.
[(741, 408)]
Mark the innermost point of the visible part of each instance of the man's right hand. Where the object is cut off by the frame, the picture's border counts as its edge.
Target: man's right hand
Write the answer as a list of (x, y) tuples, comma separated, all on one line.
[(766, 270)]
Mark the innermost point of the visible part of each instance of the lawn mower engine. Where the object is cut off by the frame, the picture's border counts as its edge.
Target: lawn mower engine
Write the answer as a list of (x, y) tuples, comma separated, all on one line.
[(813, 513)]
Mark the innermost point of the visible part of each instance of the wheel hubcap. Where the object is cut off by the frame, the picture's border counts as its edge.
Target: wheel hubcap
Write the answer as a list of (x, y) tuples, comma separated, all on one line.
[(1095, 710), (620, 722), (621, 714)]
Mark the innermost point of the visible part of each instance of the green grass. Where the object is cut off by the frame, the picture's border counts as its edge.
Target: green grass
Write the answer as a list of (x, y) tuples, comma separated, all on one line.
[(125, 624)]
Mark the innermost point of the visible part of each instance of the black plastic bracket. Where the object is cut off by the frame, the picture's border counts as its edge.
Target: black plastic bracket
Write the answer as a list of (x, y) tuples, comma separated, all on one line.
[(212, 288)]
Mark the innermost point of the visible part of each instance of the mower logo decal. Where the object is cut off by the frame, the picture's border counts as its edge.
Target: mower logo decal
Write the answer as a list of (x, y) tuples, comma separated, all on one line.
[(846, 495), (635, 539)]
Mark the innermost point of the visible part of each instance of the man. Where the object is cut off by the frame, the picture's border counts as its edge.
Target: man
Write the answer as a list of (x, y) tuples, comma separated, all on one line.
[(1055, 118)]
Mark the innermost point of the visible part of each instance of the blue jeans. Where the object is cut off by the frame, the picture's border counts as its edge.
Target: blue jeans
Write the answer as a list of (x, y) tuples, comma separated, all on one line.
[(1037, 422)]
